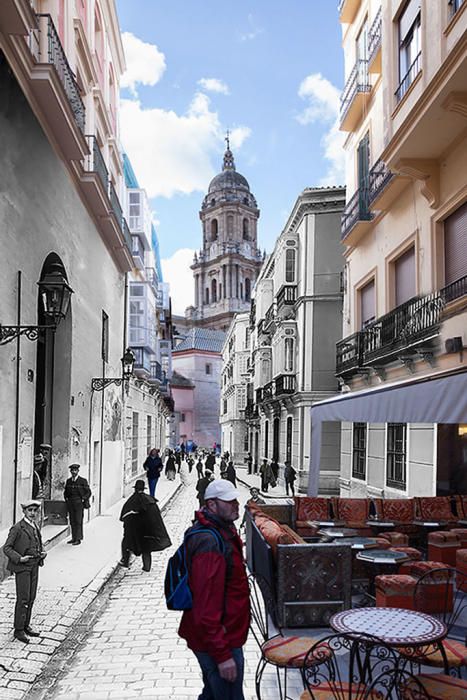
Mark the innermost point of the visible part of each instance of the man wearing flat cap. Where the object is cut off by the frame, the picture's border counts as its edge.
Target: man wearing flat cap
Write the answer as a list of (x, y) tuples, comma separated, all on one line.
[(143, 528), (23, 548), (77, 494)]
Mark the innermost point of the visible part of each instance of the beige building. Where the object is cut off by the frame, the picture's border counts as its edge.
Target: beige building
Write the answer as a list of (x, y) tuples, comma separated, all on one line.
[(234, 387), (404, 111)]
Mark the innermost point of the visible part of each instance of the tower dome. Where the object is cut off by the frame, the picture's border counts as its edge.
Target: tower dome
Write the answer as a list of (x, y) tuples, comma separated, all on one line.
[(229, 184)]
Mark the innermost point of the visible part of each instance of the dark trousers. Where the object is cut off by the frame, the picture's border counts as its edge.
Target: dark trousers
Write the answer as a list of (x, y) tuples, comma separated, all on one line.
[(289, 484), (152, 483), (26, 587), (147, 558), (75, 513), (215, 687)]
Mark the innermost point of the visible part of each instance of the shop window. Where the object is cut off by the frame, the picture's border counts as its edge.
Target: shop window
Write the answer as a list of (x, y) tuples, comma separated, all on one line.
[(359, 451), (396, 456)]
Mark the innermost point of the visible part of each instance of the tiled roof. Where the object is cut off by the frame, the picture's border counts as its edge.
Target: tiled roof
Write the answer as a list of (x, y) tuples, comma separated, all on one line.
[(178, 379), (202, 339)]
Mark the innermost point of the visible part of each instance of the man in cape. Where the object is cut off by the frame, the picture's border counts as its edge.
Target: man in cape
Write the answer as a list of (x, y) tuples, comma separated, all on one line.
[(143, 528)]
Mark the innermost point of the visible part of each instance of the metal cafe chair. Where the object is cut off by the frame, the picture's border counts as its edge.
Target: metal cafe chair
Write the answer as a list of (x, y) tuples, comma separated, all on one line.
[(281, 651)]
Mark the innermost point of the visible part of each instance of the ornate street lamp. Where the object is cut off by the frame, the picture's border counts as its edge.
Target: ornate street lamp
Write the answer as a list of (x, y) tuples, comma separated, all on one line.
[(55, 293), (128, 362)]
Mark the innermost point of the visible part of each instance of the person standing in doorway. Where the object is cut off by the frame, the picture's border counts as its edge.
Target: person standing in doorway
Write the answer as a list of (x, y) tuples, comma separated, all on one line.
[(23, 549), (249, 463), (267, 476), (289, 476), (153, 467), (77, 494)]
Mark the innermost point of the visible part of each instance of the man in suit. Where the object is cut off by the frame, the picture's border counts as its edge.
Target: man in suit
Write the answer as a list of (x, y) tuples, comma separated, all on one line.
[(77, 494), (23, 549)]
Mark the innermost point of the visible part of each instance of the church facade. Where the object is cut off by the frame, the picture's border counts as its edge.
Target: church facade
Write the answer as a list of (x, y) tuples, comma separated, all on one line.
[(226, 268)]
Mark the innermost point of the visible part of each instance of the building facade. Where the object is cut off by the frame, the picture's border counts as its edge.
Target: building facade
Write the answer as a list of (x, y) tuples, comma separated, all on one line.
[(296, 319), (404, 110), (234, 387), (226, 268)]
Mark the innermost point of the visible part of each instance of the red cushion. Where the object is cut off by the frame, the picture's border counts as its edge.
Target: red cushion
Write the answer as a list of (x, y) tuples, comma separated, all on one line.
[(311, 508), (396, 583), (398, 510), (352, 510), (435, 508)]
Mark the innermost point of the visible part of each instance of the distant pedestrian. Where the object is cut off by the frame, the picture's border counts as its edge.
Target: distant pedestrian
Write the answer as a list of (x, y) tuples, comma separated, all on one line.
[(23, 549), (184, 473), (199, 468), (77, 494), (182, 448), (249, 463), (231, 474), (267, 476), (202, 485), (190, 462), (275, 469), (178, 460), (223, 469), (289, 476), (210, 461), (143, 528), (170, 469), (153, 467)]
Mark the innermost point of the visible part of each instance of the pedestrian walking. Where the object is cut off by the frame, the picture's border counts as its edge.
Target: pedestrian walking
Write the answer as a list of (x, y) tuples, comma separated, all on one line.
[(249, 463), (178, 460), (267, 476), (170, 470), (275, 469), (153, 467), (223, 469), (23, 549), (231, 474), (289, 476), (143, 528), (184, 473), (210, 461), (202, 485), (77, 494), (190, 462), (216, 627), (199, 468)]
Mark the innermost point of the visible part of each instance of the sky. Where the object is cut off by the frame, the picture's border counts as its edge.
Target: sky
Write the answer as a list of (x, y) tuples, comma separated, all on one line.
[(270, 71)]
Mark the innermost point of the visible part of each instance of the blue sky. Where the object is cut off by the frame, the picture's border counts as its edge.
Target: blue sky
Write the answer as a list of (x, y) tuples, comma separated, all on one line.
[(270, 71)]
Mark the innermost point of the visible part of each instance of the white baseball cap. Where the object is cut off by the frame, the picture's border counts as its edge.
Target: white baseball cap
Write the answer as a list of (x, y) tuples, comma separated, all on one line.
[(222, 489)]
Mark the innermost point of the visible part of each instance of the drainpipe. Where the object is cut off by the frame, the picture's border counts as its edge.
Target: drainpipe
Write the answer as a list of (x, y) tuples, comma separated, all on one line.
[(18, 363)]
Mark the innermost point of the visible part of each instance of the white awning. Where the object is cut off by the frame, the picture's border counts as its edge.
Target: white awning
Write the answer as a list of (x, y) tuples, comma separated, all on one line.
[(432, 399)]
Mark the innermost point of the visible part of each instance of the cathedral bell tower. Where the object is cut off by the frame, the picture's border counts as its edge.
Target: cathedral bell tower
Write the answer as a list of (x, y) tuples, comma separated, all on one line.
[(226, 268)]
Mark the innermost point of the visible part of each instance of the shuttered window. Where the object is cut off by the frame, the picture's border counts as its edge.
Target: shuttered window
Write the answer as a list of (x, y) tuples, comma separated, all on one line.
[(367, 303), (455, 245), (404, 276)]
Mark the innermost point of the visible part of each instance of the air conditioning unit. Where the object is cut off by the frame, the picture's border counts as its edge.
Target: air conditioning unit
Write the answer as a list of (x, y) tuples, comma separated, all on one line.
[(454, 344)]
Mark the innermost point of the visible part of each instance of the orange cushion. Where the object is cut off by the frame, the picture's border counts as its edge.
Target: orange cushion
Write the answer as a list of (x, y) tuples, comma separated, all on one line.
[(331, 691), (292, 535), (291, 651), (456, 654), (448, 538), (441, 687), (395, 583), (271, 531), (434, 508)]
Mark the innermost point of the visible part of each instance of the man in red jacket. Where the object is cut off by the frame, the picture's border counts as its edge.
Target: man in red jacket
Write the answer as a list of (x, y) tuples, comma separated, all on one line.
[(216, 627)]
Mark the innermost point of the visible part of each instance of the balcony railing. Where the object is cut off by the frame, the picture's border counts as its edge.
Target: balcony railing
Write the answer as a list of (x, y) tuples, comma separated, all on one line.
[(251, 410), (137, 248), (454, 290), (374, 36), (94, 162), (349, 353), (156, 370), (268, 391), (409, 77), (379, 177), (52, 52), (269, 316), (126, 234), (115, 204), (414, 321), (287, 295), (358, 81), (284, 384), (356, 210)]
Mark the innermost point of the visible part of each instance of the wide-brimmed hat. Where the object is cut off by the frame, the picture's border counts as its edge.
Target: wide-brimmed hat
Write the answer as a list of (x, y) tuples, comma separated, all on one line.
[(31, 502), (222, 489), (139, 485)]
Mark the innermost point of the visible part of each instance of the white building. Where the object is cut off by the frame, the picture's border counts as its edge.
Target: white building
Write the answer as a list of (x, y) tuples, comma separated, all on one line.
[(234, 387)]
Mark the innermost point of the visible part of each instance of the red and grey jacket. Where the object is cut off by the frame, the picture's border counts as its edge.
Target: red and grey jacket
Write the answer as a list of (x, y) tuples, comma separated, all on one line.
[(219, 619)]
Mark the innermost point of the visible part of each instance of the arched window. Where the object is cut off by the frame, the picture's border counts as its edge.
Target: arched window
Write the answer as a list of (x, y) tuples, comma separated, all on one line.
[(230, 225), (207, 295), (246, 229), (290, 265), (214, 229), (289, 349), (213, 291), (247, 290)]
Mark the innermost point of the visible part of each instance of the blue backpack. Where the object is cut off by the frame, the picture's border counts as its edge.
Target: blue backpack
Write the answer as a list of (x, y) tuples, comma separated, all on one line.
[(178, 595)]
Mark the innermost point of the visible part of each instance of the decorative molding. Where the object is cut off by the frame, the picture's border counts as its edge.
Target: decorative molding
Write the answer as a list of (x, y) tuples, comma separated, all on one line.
[(456, 102), (426, 170)]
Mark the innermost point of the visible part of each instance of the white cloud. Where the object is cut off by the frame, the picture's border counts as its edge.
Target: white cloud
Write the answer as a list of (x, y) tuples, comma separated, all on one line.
[(173, 153), (253, 32), (145, 63), (214, 85), (323, 101), (176, 271)]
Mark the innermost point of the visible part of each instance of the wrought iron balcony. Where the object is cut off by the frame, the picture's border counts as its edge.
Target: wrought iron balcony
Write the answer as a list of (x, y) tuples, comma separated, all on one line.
[(251, 410), (115, 204), (374, 43), (287, 296), (409, 77), (379, 177), (156, 370), (94, 162), (414, 322), (51, 51), (356, 211), (284, 384), (455, 290), (355, 94), (269, 316), (349, 353), (268, 391)]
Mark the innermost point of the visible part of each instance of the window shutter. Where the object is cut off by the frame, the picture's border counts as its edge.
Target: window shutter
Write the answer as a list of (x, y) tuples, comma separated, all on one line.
[(404, 273), (367, 303), (408, 17), (455, 245)]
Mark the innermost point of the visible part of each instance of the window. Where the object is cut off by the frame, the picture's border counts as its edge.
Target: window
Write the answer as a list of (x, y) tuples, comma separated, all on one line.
[(214, 291), (246, 229), (136, 290), (148, 433), (409, 46), (361, 52), (241, 398), (455, 245), (214, 229), (134, 443), (363, 167), (208, 368), (230, 225), (206, 298), (105, 337), (396, 455), (359, 451), (288, 439), (290, 265), (455, 5), (288, 354), (247, 337), (404, 276), (134, 202), (182, 418), (367, 304), (225, 407), (247, 290)]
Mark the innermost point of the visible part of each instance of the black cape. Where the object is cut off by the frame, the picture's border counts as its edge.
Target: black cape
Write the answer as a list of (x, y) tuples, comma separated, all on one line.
[(144, 530)]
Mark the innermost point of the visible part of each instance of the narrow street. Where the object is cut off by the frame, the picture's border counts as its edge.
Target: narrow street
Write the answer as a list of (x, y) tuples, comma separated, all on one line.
[(126, 644)]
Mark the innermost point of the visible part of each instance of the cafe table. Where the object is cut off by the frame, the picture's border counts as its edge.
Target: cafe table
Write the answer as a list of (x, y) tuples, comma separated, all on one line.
[(359, 543), (396, 627), (379, 526), (379, 562), (338, 532)]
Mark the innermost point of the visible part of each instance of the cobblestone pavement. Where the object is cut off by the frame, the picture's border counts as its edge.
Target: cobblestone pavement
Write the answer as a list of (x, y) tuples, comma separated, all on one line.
[(129, 648)]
